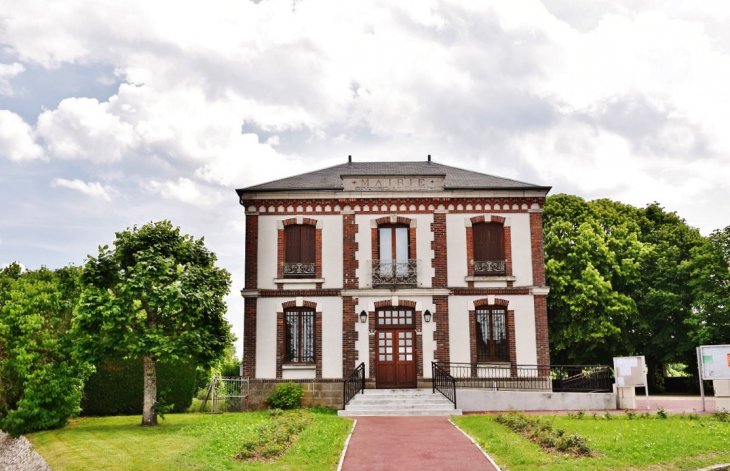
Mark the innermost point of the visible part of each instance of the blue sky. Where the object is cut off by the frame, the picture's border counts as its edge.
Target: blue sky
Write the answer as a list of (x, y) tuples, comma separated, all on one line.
[(119, 113)]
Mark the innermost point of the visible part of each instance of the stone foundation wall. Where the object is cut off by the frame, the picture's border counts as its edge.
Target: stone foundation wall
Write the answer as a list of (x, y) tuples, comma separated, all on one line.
[(323, 394)]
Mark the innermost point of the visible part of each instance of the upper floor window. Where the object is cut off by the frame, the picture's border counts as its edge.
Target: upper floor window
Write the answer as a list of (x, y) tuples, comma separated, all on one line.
[(489, 257), (394, 266), (299, 335), (300, 253), (491, 332)]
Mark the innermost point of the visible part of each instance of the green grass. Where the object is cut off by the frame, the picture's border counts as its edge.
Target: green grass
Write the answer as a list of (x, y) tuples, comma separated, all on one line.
[(185, 441), (642, 443)]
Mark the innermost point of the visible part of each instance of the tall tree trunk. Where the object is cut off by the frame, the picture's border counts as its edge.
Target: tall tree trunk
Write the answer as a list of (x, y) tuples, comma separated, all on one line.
[(149, 416)]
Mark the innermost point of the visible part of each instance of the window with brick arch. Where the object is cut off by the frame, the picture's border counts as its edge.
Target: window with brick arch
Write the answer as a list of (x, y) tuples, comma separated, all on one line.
[(394, 266), (489, 258), (491, 332), (299, 335), (299, 254)]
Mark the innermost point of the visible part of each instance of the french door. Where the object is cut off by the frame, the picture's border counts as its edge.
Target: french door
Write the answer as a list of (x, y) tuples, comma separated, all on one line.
[(395, 349)]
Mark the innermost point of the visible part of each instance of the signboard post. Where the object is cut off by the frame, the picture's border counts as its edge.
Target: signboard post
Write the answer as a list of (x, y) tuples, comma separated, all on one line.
[(630, 373), (713, 363)]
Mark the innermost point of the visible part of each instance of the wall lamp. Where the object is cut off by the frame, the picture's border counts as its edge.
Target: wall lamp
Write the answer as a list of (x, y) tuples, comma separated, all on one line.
[(363, 317), (427, 316)]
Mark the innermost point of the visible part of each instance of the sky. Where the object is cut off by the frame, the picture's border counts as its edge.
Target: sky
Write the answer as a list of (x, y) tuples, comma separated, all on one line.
[(120, 113)]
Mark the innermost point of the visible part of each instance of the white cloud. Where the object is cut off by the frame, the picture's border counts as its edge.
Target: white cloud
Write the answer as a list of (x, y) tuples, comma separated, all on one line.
[(7, 72), (82, 128), (93, 189), (17, 138), (185, 190), (23, 268)]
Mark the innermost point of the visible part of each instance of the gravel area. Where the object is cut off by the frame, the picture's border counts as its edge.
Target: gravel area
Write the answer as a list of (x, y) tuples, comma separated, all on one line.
[(17, 454)]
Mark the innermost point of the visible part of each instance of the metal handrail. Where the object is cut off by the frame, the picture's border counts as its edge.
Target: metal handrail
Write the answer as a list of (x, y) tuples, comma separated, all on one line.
[(443, 382), (556, 378), (354, 383)]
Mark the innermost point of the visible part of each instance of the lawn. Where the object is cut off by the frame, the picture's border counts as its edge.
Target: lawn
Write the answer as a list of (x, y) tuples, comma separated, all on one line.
[(185, 441), (641, 443)]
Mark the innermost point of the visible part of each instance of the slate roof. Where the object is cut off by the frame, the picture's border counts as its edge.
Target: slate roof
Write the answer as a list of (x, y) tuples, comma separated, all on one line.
[(330, 178)]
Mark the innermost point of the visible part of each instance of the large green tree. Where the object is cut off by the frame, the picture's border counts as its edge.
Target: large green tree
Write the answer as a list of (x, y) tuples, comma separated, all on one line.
[(591, 262), (40, 380), (710, 282), (157, 295)]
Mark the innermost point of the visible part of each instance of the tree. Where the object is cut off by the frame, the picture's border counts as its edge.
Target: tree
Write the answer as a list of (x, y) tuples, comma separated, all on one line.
[(710, 282), (40, 380), (157, 296), (591, 262)]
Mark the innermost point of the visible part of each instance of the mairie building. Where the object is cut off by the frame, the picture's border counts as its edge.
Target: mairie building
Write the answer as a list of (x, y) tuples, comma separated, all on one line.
[(394, 265)]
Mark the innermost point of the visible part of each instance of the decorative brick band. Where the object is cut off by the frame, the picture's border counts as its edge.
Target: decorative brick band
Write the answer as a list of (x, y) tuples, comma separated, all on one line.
[(487, 291), (401, 303), (481, 218), (485, 302), (305, 303), (293, 293), (402, 205)]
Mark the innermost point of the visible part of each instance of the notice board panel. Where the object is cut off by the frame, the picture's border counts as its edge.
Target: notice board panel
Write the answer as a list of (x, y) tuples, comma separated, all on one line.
[(715, 361), (629, 371)]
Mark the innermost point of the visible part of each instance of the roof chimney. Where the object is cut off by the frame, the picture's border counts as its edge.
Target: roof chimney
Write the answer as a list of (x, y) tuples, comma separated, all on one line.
[(429, 157), (349, 158)]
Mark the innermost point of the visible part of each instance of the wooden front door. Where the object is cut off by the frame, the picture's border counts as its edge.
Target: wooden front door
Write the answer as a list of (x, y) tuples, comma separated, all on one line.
[(395, 343)]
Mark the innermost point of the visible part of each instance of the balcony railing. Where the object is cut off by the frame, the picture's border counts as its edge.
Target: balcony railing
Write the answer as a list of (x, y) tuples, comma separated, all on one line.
[(300, 270), (395, 272), (490, 267), (556, 378)]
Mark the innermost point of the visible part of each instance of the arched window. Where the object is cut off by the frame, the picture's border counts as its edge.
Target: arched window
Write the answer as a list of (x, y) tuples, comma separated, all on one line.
[(491, 333), (299, 335), (489, 257), (300, 253)]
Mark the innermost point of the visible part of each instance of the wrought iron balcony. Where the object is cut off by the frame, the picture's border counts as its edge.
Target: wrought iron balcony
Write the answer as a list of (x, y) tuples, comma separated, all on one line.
[(395, 272), (300, 270), (490, 267)]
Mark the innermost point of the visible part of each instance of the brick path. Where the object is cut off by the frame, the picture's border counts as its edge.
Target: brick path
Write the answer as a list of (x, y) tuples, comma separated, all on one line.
[(411, 444)]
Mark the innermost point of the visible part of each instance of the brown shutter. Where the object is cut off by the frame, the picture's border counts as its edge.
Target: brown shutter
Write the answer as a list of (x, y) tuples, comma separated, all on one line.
[(488, 242), (307, 244), (293, 237)]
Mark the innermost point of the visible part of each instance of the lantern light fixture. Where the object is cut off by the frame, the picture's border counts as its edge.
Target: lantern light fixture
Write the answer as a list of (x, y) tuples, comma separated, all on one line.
[(427, 316), (363, 317)]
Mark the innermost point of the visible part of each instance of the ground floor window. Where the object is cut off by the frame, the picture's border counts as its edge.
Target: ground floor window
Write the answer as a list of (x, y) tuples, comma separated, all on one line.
[(299, 335), (491, 332)]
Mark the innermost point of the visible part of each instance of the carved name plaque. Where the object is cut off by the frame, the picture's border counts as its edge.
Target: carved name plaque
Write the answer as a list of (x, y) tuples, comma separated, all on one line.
[(393, 183)]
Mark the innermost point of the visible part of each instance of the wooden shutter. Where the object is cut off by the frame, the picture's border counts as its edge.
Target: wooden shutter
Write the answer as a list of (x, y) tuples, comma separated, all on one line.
[(488, 242), (293, 239), (307, 252)]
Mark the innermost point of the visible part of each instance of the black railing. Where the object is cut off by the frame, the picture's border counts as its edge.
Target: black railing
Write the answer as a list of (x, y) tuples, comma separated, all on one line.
[(489, 267), (556, 378), (353, 384), (394, 272), (443, 382)]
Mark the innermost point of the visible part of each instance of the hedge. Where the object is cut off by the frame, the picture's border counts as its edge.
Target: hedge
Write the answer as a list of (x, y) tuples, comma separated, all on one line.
[(116, 388)]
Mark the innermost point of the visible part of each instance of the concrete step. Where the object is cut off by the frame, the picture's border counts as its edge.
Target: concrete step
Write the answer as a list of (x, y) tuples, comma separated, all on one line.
[(399, 402), (358, 413), (406, 406)]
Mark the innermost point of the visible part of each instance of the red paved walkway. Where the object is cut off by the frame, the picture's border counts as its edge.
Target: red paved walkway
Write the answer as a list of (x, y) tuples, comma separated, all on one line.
[(411, 444)]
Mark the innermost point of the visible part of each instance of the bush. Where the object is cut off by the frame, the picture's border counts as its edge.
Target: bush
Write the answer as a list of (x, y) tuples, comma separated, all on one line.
[(286, 396), (117, 387)]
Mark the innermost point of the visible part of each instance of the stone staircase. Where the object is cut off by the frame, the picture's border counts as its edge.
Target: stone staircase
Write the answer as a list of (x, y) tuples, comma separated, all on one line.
[(399, 402)]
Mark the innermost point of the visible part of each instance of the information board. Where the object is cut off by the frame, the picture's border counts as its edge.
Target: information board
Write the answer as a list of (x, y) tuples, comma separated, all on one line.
[(629, 371), (715, 361)]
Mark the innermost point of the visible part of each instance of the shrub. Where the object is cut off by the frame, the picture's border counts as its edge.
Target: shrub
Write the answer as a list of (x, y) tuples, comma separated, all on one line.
[(722, 415), (661, 413), (286, 396), (273, 438)]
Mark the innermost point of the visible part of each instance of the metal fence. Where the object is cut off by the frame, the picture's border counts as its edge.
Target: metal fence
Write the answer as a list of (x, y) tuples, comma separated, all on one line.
[(353, 384), (443, 382), (227, 395), (508, 376)]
